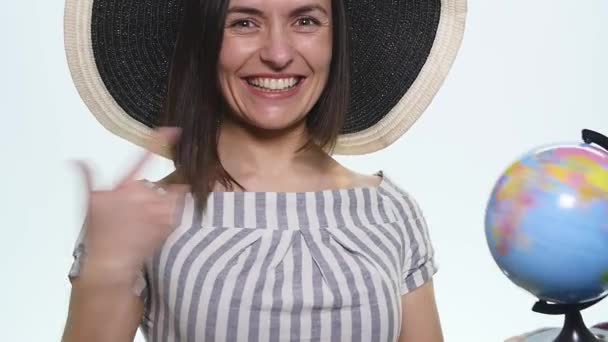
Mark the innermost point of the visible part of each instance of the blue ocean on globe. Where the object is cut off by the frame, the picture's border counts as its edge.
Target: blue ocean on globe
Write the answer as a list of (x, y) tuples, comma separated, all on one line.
[(546, 223)]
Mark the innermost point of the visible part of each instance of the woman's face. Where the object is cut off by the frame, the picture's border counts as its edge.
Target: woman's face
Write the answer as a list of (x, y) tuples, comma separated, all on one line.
[(275, 59)]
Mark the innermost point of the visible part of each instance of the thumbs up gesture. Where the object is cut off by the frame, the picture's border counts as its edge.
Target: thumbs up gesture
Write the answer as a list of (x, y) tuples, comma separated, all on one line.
[(129, 223)]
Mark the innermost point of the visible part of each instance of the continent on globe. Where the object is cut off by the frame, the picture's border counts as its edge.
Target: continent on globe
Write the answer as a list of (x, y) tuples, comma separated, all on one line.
[(546, 222)]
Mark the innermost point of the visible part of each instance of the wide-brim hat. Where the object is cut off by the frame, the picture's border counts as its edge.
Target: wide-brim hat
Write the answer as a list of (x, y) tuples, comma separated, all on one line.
[(119, 53)]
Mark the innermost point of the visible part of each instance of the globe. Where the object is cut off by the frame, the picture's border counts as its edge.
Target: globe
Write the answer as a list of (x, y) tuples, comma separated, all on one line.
[(546, 223)]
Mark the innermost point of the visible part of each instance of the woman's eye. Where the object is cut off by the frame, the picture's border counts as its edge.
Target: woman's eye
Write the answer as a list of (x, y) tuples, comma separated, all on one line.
[(307, 21), (242, 24)]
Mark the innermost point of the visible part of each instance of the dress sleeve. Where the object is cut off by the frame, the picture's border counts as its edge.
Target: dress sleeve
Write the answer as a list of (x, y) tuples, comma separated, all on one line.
[(418, 264), (140, 286)]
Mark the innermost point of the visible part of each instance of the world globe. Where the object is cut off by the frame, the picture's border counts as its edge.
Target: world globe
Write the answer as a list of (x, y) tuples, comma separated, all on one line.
[(546, 223)]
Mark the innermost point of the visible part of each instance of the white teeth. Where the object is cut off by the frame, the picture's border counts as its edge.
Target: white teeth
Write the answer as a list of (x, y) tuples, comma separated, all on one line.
[(274, 83)]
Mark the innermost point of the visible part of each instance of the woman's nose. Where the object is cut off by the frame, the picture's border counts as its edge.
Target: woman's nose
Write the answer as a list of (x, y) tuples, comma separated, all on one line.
[(277, 52)]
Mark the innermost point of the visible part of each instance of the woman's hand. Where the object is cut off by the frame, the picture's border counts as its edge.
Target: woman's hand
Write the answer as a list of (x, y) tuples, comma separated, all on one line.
[(127, 224), (124, 226)]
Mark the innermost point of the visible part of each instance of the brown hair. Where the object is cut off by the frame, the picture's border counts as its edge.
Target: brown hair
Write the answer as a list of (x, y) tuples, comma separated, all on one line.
[(194, 101)]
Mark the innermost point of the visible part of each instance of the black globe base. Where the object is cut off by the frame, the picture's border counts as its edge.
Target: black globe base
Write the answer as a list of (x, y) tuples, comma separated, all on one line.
[(574, 328)]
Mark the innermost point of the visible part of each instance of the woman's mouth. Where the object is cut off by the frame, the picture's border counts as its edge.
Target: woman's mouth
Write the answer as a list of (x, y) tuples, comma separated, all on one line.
[(274, 88), (274, 85)]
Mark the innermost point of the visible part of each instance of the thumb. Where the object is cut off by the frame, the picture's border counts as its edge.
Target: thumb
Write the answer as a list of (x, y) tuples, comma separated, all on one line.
[(87, 174)]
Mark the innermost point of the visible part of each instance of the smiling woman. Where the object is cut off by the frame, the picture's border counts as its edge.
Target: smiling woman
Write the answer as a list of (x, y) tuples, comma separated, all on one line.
[(259, 234), (260, 45), (281, 66)]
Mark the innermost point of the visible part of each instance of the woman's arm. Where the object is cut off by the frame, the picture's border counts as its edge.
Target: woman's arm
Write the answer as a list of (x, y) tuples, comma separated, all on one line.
[(103, 307), (420, 318)]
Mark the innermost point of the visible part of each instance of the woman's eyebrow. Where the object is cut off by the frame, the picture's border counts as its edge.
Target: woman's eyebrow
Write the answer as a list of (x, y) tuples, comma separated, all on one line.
[(307, 9), (298, 11), (245, 10)]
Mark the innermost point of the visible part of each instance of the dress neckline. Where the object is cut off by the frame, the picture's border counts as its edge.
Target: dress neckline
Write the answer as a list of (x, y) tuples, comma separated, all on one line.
[(380, 173)]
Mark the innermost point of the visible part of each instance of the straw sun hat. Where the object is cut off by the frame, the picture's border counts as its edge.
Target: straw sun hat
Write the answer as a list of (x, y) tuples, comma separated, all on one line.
[(118, 54)]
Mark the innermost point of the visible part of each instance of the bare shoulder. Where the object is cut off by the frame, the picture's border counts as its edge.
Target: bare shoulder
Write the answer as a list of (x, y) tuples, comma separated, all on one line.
[(351, 179), (363, 180)]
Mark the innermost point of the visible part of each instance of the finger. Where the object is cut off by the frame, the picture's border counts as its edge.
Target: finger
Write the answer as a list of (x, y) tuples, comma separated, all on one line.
[(161, 137), (178, 189), (87, 175), (175, 200), (136, 168), (163, 193), (162, 214), (177, 193)]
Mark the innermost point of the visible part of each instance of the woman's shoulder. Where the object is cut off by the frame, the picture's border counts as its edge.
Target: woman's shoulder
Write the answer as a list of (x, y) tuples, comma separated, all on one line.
[(399, 198), (360, 180), (342, 177), (391, 196)]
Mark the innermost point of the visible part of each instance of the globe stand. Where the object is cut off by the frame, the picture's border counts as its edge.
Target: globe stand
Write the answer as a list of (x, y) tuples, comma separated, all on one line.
[(574, 329)]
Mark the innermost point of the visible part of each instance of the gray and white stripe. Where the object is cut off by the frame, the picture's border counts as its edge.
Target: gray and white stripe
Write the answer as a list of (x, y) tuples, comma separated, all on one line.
[(310, 266)]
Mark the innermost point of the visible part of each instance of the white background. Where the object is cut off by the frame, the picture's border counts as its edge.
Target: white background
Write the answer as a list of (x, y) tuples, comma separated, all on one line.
[(530, 72)]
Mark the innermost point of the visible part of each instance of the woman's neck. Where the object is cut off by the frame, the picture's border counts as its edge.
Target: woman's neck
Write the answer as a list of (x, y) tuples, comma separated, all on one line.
[(256, 158)]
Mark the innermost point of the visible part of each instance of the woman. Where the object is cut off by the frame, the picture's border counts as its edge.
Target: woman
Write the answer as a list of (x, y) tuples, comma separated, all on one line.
[(259, 234)]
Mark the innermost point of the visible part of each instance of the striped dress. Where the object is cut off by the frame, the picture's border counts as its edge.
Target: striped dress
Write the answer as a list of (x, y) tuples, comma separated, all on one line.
[(300, 266)]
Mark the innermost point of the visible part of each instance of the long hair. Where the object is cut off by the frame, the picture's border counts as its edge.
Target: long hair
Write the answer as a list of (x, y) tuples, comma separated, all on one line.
[(194, 101)]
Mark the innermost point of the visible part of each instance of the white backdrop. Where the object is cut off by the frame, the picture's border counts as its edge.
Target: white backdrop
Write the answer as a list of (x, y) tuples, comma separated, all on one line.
[(529, 72)]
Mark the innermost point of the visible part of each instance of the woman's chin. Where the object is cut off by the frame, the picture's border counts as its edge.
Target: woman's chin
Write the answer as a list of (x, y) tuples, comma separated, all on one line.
[(275, 124)]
